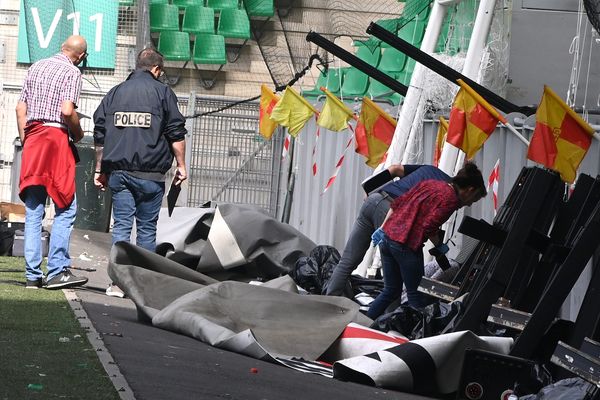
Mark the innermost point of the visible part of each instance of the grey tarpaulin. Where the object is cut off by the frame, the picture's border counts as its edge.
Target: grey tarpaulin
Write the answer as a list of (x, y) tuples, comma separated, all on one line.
[(250, 319), (231, 241), (429, 365), (270, 321)]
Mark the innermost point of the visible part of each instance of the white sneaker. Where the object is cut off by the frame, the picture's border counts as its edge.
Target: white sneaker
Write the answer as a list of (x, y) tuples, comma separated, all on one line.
[(114, 291)]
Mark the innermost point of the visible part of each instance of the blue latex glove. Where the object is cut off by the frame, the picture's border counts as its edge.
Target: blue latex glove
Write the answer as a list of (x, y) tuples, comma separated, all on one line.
[(377, 236), (442, 248)]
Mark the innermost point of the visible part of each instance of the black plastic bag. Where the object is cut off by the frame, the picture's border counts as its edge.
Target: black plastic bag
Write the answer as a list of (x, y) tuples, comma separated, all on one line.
[(417, 324), (312, 272), (566, 389)]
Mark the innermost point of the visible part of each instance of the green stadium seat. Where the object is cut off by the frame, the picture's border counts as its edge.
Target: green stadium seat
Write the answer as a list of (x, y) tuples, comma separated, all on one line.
[(198, 20), (183, 4), (158, 2), (424, 15), (392, 60), (259, 8), (316, 91), (379, 92), (370, 57), (335, 79), (174, 46), (126, 3), (209, 49), (164, 17), (220, 5), (441, 44), (234, 24), (413, 32), (404, 77), (355, 83), (410, 65)]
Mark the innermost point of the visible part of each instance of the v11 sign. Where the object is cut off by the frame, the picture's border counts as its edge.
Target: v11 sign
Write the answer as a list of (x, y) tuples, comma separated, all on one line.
[(44, 25)]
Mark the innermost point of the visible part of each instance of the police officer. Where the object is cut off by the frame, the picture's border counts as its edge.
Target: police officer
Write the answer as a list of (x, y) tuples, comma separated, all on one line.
[(138, 129)]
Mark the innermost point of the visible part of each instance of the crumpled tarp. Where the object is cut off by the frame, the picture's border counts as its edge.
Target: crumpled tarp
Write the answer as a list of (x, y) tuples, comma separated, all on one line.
[(257, 320), (271, 321), (231, 242), (427, 366)]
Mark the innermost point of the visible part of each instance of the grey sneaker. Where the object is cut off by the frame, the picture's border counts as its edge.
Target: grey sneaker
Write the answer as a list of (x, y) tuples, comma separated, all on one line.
[(65, 280), (35, 284)]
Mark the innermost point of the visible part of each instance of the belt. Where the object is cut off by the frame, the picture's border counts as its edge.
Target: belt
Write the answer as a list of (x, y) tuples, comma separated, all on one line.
[(386, 196), (55, 125)]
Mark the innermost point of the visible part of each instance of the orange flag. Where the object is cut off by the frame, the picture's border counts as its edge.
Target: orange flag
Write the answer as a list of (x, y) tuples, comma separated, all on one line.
[(472, 120), (439, 141), (268, 99), (374, 132), (561, 137)]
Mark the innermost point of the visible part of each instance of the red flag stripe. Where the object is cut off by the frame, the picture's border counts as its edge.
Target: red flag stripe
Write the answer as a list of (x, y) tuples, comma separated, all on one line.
[(286, 146), (314, 151), (338, 166)]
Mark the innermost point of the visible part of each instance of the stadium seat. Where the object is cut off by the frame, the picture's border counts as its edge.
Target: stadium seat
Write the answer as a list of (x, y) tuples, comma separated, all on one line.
[(158, 2), (126, 3), (234, 24), (164, 17), (410, 65), (379, 92), (198, 20), (259, 8), (370, 57), (316, 91), (209, 49), (220, 5), (392, 60), (174, 46), (355, 83), (413, 32), (183, 4), (404, 77)]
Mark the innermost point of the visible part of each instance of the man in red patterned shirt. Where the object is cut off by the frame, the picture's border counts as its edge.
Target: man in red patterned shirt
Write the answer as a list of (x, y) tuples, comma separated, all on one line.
[(47, 123), (413, 218)]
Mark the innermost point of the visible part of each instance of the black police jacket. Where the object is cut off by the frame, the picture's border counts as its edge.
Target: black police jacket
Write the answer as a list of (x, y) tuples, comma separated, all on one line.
[(136, 122)]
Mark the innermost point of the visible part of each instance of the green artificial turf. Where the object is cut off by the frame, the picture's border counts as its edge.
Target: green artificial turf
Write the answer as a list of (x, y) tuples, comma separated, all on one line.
[(44, 352)]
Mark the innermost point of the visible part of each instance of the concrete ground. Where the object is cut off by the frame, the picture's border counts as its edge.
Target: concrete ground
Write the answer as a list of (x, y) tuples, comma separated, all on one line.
[(159, 364)]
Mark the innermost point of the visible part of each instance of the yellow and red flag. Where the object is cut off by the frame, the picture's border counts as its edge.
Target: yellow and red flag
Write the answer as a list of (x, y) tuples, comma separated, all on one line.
[(472, 120), (440, 140), (374, 132), (335, 114), (561, 137), (268, 100), (292, 111)]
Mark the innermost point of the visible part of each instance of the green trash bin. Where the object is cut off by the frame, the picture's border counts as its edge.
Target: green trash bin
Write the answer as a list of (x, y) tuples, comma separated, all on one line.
[(93, 205)]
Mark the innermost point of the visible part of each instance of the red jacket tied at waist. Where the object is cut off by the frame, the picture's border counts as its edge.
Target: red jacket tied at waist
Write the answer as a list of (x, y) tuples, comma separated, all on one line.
[(47, 160)]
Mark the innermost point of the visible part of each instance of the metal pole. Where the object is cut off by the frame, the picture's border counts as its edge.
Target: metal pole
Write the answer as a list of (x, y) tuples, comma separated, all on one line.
[(356, 62), (415, 91), (143, 39), (449, 158), (183, 200)]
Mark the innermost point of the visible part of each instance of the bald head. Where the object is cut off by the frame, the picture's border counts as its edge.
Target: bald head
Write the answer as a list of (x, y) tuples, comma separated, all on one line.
[(75, 47)]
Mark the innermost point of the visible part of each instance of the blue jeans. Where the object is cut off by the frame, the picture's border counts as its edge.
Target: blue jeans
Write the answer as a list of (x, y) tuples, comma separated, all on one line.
[(139, 198), (58, 248), (370, 217), (401, 265)]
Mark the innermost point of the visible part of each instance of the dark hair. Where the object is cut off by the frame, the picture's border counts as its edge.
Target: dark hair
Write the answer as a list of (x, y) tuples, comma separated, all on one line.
[(470, 176), (148, 59)]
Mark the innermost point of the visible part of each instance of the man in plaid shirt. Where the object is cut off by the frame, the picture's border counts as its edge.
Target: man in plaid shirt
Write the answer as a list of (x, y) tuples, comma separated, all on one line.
[(48, 125)]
